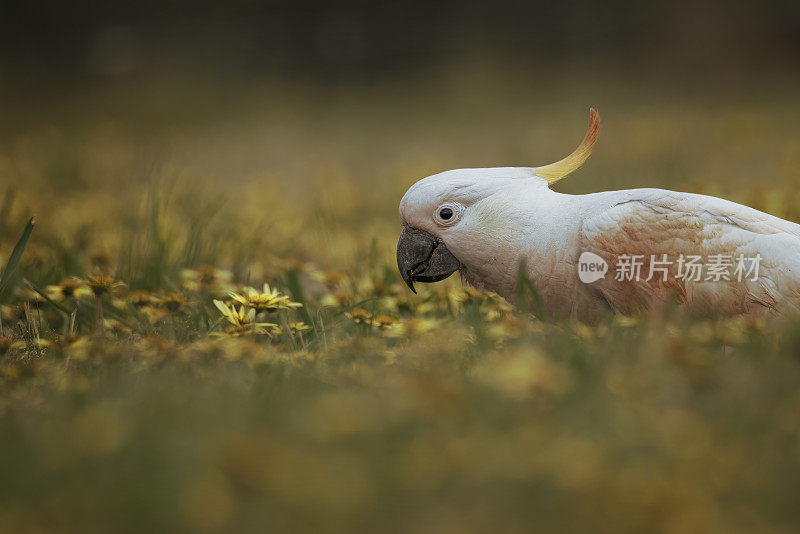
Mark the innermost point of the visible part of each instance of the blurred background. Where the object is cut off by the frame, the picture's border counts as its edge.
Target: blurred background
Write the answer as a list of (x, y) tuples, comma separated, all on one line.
[(167, 142), (314, 100), (346, 43)]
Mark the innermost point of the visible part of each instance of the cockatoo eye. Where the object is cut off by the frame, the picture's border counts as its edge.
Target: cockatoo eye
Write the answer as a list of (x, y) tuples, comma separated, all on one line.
[(448, 213)]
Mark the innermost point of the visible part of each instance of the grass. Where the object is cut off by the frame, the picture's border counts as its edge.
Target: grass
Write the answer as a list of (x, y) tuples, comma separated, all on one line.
[(129, 403)]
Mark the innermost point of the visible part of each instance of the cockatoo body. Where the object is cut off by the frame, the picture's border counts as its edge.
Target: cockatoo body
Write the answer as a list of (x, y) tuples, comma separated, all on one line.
[(486, 222)]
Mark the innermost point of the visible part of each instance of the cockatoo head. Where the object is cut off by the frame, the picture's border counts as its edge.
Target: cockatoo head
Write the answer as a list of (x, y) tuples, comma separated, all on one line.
[(456, 219)]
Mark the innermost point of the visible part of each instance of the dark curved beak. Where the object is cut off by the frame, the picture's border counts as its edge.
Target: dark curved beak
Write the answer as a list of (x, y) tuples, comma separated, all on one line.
[(423, 257)]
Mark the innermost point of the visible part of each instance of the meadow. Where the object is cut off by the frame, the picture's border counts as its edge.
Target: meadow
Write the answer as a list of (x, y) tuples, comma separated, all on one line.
[(149, 381)]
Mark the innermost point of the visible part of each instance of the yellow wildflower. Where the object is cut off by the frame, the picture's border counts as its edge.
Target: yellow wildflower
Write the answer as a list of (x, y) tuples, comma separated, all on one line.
[(68, 343), (359, 315), (243, 321), (173, 301), (141, 298), (411, 327), (67, 289), (267, 300), (383, 321), (206, 279), (148, 304), (100, 284), (299, 326)]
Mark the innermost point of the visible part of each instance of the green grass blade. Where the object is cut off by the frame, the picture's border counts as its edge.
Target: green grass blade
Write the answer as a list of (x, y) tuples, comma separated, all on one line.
[(528, 298), (50, 301), (16, 255)]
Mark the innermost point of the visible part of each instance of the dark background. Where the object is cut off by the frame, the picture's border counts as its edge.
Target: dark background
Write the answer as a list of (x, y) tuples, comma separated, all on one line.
[(45, 42)]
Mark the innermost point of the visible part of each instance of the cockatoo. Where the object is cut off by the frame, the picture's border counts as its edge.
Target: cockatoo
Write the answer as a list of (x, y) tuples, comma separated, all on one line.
[(621, 251)]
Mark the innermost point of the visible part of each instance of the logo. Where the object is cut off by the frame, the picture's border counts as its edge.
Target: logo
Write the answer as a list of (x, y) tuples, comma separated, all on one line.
[(717, 268), (591, 267)]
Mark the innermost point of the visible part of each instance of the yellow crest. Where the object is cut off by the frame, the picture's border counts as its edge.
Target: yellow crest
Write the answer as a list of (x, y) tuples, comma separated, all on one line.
[(556, 171)]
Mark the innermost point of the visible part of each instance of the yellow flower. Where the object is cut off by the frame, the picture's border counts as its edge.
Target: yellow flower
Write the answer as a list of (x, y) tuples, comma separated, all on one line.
[(66, 289), (68, 343), (383, 321), (173, 301), (359, 315), (141, 298), (207, 279), (411, 327), (299, 326), (100, 284), (242, 321), (268, 300)]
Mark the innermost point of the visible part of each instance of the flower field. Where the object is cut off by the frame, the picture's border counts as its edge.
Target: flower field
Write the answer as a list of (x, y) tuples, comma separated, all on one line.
[(207, 331)]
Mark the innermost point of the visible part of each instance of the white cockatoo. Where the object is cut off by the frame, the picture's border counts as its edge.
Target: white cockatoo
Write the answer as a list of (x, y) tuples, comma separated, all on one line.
[(586, 254)]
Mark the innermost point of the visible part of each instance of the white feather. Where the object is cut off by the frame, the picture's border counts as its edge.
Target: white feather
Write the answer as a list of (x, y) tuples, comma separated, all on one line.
[(510, 215)]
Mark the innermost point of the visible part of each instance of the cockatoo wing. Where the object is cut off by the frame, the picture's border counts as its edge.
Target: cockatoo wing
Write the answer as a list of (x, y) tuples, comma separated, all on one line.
[(668, 225)]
